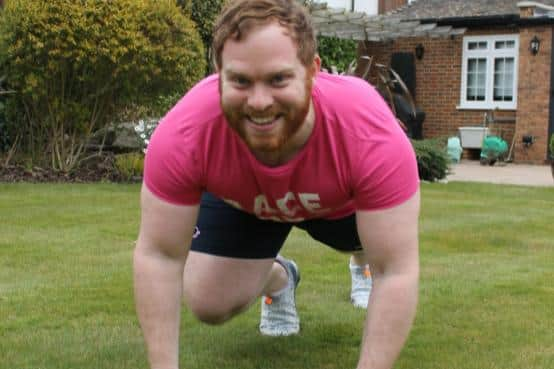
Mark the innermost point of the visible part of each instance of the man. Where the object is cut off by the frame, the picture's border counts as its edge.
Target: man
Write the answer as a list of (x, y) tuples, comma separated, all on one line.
[(266, 144)]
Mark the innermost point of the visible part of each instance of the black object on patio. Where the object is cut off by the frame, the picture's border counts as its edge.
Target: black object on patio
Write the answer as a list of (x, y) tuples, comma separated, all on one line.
[(403, 63)]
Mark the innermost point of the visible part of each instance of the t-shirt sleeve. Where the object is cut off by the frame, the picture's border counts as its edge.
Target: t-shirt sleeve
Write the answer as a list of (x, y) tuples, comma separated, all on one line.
[(385, 167), (172, 168), (391, 179)]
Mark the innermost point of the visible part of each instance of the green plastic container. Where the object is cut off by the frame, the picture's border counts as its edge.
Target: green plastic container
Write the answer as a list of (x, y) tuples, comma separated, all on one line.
[(494, 148)]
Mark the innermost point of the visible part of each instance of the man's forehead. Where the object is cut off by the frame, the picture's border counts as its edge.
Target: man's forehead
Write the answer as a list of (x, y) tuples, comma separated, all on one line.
[(265, 49)]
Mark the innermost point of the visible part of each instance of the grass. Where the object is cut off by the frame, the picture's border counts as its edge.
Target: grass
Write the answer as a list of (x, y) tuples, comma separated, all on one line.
[(486, 296)]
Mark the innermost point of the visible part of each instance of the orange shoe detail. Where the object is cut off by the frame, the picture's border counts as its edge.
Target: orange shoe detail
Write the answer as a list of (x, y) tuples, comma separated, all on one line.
[(367, 273), (268, 300)]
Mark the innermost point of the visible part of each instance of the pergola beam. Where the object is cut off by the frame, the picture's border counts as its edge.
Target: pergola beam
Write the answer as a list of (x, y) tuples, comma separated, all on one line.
[(360, 26)]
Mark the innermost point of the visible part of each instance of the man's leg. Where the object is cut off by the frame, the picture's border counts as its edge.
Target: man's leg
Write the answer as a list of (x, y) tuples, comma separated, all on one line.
[(361, 280), (233, 260), (342, 235), (216, 288)]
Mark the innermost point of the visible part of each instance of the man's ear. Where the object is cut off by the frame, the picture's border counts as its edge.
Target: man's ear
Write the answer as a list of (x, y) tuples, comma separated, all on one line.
[(316, 66)]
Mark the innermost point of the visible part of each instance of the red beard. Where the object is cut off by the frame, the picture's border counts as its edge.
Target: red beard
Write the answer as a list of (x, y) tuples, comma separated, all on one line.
[(292, 115)]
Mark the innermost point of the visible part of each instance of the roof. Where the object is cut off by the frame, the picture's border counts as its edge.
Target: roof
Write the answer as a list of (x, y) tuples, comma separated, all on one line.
[(438, 9), (425, 18)]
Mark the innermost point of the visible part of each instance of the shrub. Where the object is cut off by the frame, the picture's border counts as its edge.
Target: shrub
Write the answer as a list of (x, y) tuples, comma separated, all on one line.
[(552, 146), (129, 166), (75, 64), (203, 13), (4, 133), (8, 139), (161, 104), (336, 52), (432, 159), (154, 108)]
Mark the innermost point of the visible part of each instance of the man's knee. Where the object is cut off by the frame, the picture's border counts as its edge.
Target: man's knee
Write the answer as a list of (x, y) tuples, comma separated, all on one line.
[(211, 309)]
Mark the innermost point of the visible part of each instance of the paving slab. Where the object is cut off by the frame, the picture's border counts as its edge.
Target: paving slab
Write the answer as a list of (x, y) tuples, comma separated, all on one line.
[(516, 174)]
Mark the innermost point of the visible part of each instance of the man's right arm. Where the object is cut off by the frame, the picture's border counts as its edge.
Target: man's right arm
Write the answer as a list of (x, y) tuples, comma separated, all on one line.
[(159, 259)]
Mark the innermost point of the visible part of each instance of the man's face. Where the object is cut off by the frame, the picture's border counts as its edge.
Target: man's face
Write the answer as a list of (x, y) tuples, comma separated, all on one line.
[(265, 89)]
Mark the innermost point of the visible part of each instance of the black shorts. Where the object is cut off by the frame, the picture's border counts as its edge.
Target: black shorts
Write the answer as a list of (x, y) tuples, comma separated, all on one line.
[(226, 231)]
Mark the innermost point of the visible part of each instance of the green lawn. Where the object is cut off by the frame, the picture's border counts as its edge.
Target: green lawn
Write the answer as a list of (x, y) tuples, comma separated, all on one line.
[(487, 295)]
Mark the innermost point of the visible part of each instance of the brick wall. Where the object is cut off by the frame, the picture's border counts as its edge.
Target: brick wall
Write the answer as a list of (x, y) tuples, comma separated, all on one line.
[(438, 83), (533, 95), (388, 5)]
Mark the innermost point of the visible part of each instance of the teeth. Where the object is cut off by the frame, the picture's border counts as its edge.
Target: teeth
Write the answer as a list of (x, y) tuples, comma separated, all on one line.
[(262, 120)]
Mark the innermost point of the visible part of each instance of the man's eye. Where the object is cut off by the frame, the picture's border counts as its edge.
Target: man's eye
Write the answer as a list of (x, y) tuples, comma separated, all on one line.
[(241, 81), (278, 79)]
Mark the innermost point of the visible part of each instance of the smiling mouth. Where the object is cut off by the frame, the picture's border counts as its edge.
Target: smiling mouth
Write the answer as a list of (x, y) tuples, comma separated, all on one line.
[(263, 121)]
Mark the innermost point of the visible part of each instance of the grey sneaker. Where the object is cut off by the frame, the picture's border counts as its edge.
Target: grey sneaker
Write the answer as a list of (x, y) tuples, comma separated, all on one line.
[(279, 316), (361, 285)]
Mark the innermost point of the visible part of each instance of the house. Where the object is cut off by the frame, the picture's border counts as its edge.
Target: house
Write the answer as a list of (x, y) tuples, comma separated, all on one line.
[(473, 57)]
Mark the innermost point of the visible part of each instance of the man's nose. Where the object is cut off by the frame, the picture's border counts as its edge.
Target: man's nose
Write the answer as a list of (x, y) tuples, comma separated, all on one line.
[(260, 98)]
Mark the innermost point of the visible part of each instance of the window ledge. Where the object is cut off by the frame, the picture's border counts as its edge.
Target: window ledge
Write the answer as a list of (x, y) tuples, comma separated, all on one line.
[(484, 107)]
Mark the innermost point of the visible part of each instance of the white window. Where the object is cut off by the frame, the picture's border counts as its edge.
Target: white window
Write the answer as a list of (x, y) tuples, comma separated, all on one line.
[(489, 72)]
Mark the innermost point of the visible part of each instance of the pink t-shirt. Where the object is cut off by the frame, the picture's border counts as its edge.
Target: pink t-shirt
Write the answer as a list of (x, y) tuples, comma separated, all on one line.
[(357, 157)]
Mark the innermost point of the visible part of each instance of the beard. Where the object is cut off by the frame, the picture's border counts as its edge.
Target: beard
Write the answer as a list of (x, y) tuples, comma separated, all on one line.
[(292, 116)]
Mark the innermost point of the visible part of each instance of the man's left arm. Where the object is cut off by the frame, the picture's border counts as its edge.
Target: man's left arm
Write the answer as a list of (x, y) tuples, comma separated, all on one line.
[(390, 241)]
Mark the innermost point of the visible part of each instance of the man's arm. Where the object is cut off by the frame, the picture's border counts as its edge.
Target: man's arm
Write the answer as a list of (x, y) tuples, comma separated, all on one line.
[(159, 259), (390, 240)]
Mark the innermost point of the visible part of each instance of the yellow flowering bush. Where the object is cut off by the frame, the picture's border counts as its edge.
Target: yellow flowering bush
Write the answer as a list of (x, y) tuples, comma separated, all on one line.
[(75, 64)]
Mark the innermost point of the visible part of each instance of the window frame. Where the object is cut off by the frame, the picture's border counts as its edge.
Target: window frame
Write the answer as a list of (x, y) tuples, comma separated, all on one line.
[(490, 54)]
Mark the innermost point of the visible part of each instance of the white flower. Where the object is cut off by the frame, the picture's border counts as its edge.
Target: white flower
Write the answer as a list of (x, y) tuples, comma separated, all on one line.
[(144, 130)]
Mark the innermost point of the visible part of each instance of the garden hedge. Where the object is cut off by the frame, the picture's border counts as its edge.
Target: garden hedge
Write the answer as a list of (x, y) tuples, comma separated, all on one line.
[(75, 64), (336, 52), (204, 13), (432, 159)]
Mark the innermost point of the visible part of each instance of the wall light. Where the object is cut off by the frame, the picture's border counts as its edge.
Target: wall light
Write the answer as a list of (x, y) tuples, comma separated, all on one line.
[(419, 51), (528, 140), (534, 45)]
